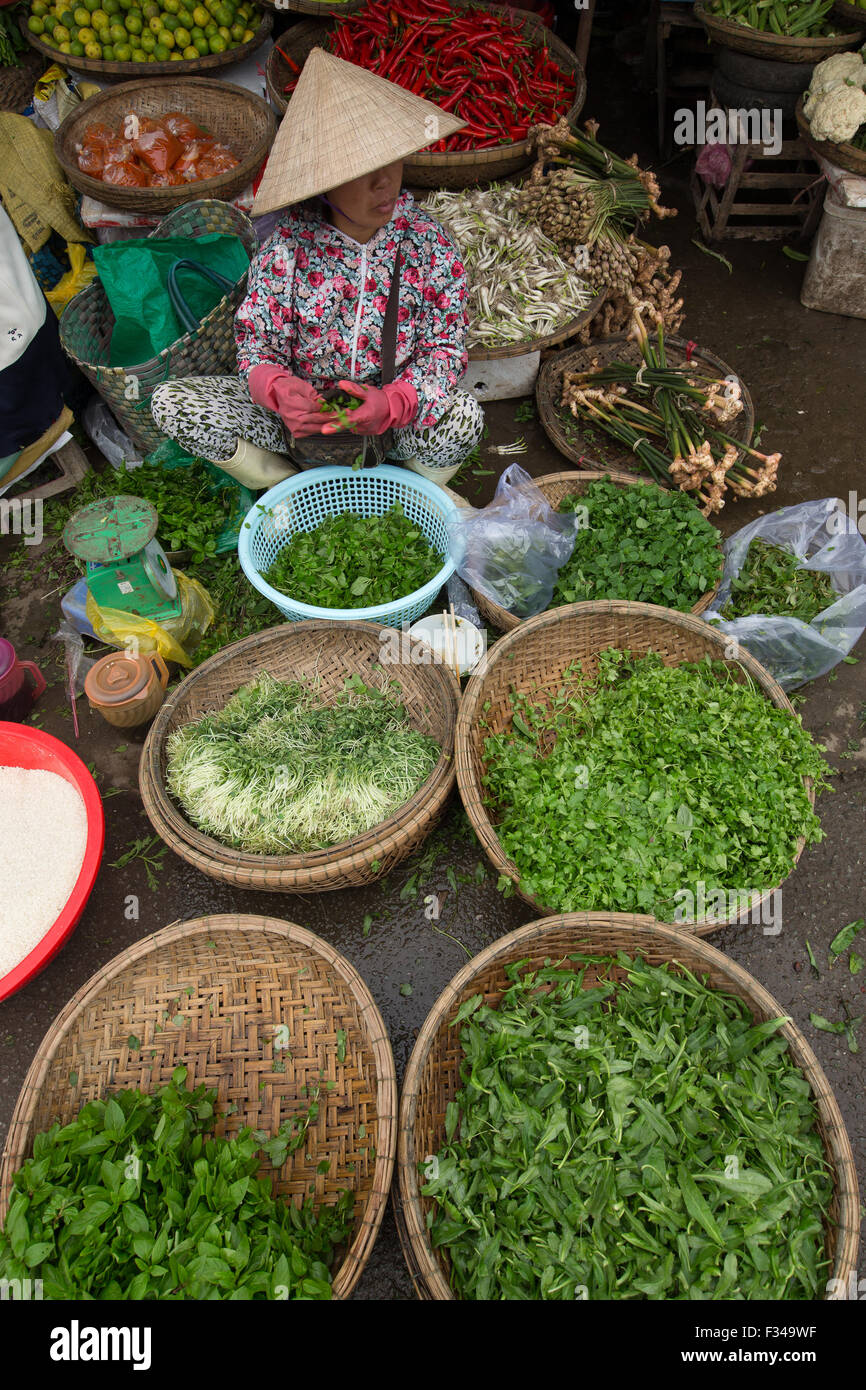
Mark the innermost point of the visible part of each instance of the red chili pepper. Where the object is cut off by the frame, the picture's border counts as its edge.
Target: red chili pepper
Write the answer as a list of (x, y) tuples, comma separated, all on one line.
[(291, 62)]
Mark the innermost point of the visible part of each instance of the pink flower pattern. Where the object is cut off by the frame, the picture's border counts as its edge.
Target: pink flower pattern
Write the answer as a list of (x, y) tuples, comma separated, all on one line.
[(301, 306)]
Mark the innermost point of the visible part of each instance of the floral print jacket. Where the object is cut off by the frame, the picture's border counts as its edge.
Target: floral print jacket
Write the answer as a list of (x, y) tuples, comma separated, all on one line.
[(316, 301)]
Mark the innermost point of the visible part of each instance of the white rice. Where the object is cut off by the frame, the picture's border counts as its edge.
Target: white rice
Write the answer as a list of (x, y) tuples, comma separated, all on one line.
[(43, 834)]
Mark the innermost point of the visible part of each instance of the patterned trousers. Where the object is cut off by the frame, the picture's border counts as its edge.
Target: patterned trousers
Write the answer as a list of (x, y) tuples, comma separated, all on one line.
[(208, 415)]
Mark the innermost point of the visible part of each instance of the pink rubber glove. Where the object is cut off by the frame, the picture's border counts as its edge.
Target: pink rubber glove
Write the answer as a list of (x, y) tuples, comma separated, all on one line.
[(384, 407), (294, 400)]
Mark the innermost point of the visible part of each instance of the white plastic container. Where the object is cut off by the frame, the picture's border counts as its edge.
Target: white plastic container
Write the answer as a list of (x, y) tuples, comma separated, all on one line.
[(835, 279)]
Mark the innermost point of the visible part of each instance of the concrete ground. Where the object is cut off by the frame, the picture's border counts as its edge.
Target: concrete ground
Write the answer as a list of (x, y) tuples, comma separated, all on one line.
[(805, 372)]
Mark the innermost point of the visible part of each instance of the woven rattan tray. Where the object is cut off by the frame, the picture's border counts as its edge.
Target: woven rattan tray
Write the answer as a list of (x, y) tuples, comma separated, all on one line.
[(329, 652), (536, 655), (231, 114), (432, 1078), (845, 156), (189, 66), (592, 448), (234, 980), (555, 487), (777, 47), (459, 169)]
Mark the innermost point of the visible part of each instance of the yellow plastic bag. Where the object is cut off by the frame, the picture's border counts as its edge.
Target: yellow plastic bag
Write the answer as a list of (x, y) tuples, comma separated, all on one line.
[(76, 279), (175, 640)]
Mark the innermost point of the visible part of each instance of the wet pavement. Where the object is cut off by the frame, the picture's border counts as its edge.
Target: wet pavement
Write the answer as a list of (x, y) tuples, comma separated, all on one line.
[(805, 373)]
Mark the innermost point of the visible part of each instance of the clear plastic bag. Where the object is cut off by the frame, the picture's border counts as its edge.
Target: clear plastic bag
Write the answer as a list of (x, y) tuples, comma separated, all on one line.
[(824, 537), (513, 549)]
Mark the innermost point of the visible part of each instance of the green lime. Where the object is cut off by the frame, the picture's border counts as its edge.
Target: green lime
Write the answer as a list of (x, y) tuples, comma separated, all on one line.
[(147, 41), (170, 6), (86, 35), (50, 22), (217, 44), (170, 22), (111, 7), (91, 5), (182, 38), (185, 17), (133, 24), (77, 49), (81, 16), (93, 50), (200, 16), (190, 53), (225, 33), (210, 30), (249, 35), (237, 33), (117, 33), (197, 36), (154, 24), (150, 9), (61, 34), (67, 19), (139, 55), (166, 38), (108, 53), (122, 53), (35, 25), (161, 53), (39, 8), (66, 48)]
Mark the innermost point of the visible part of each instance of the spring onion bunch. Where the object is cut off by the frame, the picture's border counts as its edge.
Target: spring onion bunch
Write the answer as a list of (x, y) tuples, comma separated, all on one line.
[(278, 771)]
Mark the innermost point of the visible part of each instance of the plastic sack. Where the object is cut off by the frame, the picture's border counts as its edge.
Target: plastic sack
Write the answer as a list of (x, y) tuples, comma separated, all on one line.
[(825, 538), (175, 639), (513, 549), (111, 441), (77, 278)]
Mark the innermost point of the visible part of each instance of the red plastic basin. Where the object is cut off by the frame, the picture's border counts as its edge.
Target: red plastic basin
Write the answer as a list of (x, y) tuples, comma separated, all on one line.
[(22, 746)]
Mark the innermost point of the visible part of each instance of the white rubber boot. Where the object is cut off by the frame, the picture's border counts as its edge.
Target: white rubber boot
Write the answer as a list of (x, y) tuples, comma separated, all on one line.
[(256, 468), (433, 475)]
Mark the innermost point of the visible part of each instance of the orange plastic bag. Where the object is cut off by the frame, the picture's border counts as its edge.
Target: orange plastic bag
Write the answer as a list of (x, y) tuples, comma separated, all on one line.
[(158, 149), (125, 174), (181, 126)]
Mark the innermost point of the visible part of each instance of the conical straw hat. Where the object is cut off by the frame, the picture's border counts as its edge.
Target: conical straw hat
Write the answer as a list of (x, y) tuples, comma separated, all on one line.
[(342, 122)]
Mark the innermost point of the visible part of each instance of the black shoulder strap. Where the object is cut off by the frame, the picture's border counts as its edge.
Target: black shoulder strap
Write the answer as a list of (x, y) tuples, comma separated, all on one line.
[(389, 324)]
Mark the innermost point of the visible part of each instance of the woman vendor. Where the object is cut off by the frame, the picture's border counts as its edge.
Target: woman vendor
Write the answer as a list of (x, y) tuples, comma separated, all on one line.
[(356, 289)]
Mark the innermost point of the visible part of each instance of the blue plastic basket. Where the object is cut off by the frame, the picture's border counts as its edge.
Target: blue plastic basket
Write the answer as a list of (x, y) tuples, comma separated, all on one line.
[(303, 502)]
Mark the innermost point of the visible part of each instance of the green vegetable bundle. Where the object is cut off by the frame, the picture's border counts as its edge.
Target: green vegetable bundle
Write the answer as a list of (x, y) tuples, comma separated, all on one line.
[(640, 1140), (795, 19), (277, 771), (773, 581), (132, 1200), (659, 778), (374, 559), (641, 544)]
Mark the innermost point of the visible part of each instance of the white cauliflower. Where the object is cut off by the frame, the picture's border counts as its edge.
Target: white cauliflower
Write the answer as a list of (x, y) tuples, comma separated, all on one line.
[(840, 69), (839, 114)]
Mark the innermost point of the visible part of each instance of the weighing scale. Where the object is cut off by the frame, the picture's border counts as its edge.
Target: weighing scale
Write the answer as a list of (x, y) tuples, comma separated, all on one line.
[(126, 566)]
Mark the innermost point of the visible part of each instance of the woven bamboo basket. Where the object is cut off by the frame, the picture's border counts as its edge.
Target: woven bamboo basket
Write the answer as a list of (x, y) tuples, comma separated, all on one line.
[(87, 323), (855, 14), (183, 67), (17, 83), (535, 658), (598, 450), (777, 47), (230, 114), (561, 335), (432, 1078), (458, 169), (312, 6), (234, 979), (844, 156), (555, 487), (329, 652)]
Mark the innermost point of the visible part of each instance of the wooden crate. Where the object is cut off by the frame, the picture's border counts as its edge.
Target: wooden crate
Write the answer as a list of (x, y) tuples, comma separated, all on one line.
[(735, 212)]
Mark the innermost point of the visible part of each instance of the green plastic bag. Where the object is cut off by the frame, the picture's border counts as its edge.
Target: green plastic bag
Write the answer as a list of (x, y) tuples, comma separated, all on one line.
[(134, 275)]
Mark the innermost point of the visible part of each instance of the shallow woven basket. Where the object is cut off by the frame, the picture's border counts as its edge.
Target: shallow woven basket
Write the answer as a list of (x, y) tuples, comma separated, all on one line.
[(312, 6), (329, 652), (231, 114), (457, 169), (535, 657), (234, 979), (555, 487), (184, 66), (574, 444), (844, 156), (561, 335), (777, 47), (432, 1078)]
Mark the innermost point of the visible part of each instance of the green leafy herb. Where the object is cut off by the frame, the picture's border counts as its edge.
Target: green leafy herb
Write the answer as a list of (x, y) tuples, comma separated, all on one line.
[(134, 1200), (642, 544), (773, 581), (657, 778), (352, 561), (642, 1139), (843, 939)]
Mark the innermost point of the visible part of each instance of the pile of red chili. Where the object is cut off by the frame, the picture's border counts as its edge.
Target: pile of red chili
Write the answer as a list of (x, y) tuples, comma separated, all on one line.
[(474, 62)]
